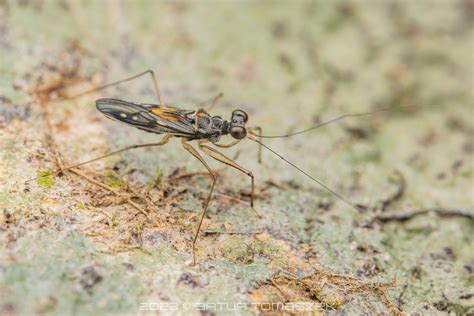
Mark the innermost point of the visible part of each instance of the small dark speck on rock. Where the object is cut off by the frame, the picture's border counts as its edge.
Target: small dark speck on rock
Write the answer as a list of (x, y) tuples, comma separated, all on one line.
[(293, 184), (470, 267), (367, 249), (188, 279), (370, 268), (457, 124), (357, 132), (7, 212), (456, 165), (441, 306), (279, 29), (361, 207), (89, 278), (7, 309), (159, 238), (466, 296), (129, 266), (416, 272), (206, 313), (468, 147), (10, 111), (325, 205), (449, 253)]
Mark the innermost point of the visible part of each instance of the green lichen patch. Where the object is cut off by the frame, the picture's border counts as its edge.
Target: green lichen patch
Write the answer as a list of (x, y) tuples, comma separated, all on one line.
[(45, 180), (112, 180), (248, 249), (237, 248)]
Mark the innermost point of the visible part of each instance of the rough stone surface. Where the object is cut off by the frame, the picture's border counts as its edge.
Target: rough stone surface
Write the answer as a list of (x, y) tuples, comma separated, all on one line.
[(67, 246)]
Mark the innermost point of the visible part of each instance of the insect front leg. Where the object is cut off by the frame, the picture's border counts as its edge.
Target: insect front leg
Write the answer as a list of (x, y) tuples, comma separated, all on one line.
[(258, 133), (235, 142), (194, 152)]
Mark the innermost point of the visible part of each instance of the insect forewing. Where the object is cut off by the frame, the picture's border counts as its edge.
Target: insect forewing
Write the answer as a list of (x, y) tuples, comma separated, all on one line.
[(148, 117)]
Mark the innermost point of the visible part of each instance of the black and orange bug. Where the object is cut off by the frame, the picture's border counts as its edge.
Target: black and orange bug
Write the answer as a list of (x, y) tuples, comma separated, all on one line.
[(193, 125)]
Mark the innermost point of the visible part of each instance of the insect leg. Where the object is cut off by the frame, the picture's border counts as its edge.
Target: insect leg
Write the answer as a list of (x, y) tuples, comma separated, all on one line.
[(153, 78), (214, 153), (194, 152), (214, 102), (258, 129), (162, 142), (235, 142)]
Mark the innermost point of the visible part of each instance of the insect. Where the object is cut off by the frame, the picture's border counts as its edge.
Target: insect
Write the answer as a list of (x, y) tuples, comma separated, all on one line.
[(193, 126)]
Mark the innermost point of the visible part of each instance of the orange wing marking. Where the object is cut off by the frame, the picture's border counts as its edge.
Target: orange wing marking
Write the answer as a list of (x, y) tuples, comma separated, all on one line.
[(162, 112), (167, 117)]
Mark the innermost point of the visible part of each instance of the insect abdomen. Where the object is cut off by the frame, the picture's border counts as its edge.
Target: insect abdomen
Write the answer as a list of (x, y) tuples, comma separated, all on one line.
[(126, 112)]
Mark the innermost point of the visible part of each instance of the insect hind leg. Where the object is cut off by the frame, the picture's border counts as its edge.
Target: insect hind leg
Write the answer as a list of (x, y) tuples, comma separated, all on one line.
[(162, 142), (115, 83)]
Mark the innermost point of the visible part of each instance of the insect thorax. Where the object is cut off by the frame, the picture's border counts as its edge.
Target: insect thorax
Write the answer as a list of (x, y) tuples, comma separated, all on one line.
[(211, 127)]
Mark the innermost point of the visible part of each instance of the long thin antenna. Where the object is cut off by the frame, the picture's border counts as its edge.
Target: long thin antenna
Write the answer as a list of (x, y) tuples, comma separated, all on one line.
[(358, 209), (327, 123)]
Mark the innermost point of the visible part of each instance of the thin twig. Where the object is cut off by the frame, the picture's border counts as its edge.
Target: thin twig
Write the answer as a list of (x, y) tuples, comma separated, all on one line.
[(398, 193), (214, 232), (286, 297), (403, 217)]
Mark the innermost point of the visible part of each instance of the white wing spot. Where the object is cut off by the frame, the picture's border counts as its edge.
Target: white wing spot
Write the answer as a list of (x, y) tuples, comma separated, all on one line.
[(123, 115), (135, 118)]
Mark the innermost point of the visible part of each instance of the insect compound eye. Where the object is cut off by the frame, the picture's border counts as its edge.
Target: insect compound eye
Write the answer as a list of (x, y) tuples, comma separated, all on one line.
[(238, 132), (239, 114)]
